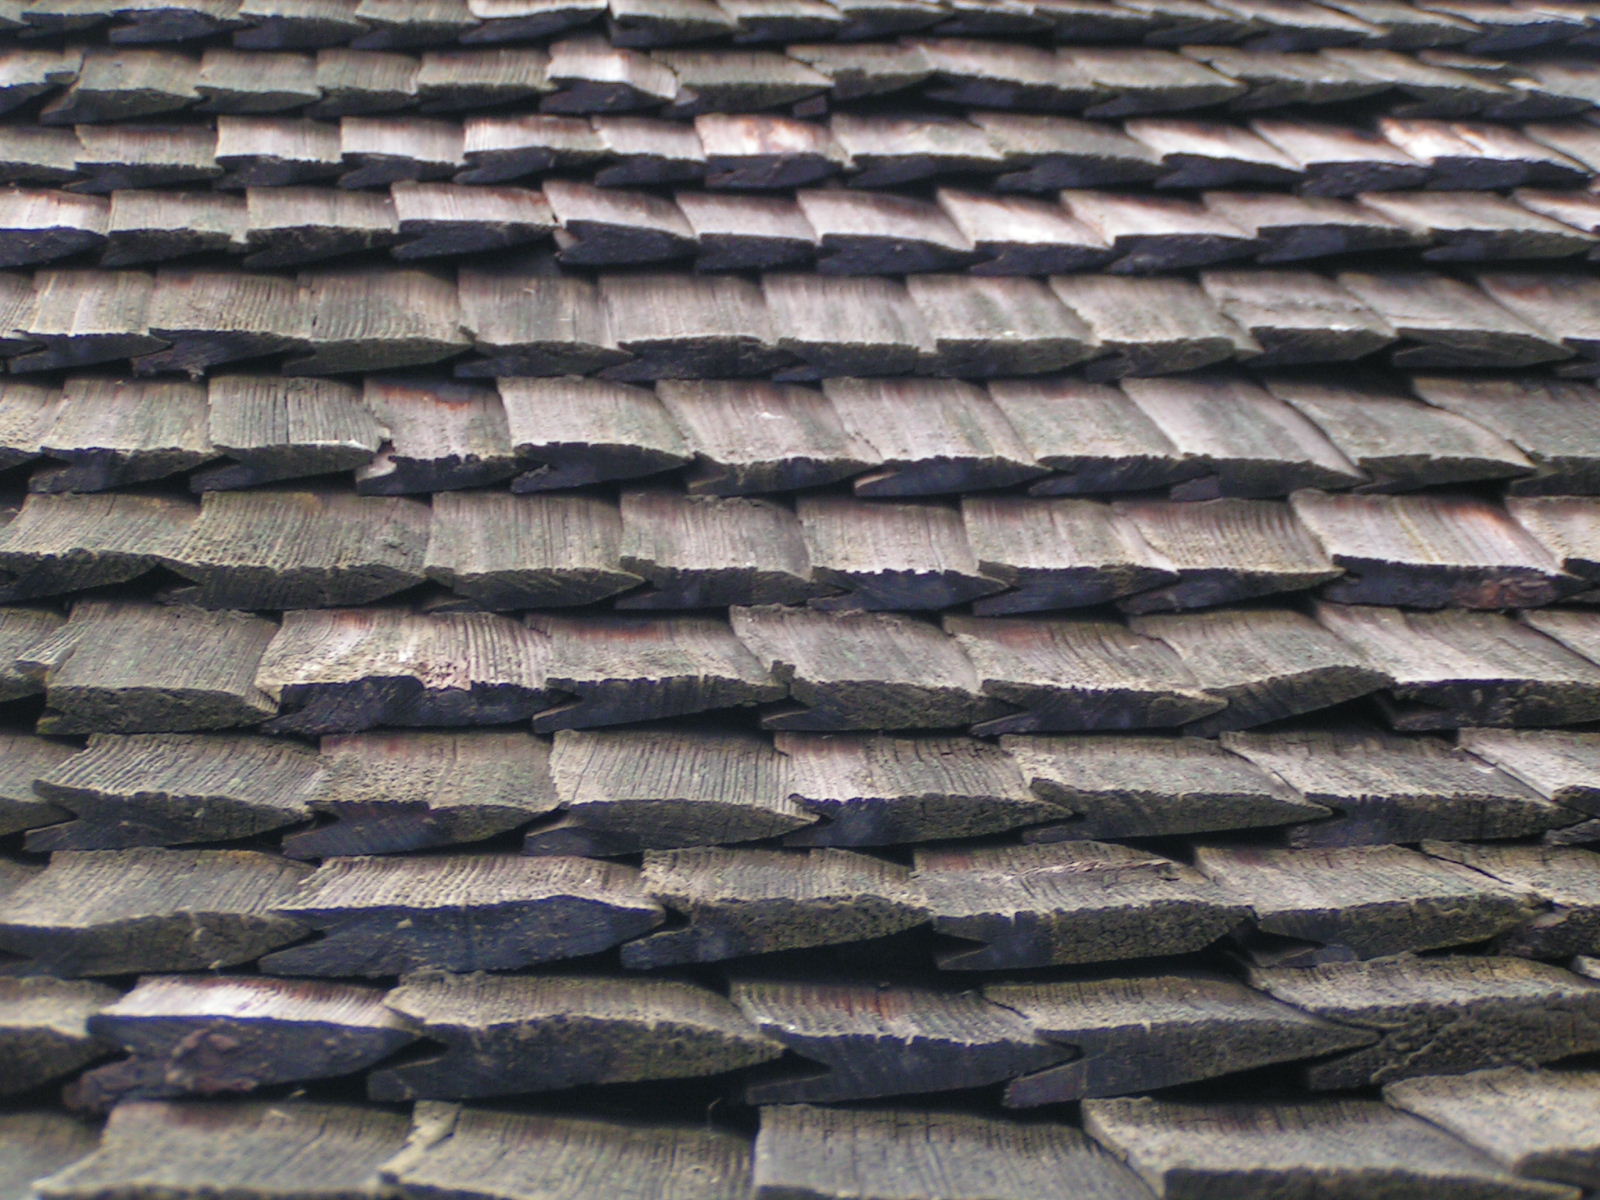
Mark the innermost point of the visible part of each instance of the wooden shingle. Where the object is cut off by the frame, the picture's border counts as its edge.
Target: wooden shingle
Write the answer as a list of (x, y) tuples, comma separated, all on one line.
[(525, 324), (1562, 304), (1440, 1015), (735, 232), (297, 1148), (116, 912), (74, 541), (649, 150), (394, 792), (505, 551), (234, 81), (1018, 235), (860, 670), (1219, 551), (274, 428), (832, 1154), (44, 1033), (1564, 881), (451, 80), (1339, 160), (1474, 226), (1267, 663), (376, 318), (1297, 316), (1045, 153), (591, 76), (890, 556), (162, 789), (764, 151), (884, 150), (382, 150), (363, 81), (37, 225), (712, 551), (308, 24), (862, 1041), (458, 912), (1554, 763), (500, 148), (1197, 154), (507, 1034), (1552, 421), (1361, 901), (140, 156), (683, 326), (1454, 668), (349, 669), (838, 326), (1252, 1151), (128, 667), (883, 790), (1118, 786), (737, 80), (1150, 326), (81, 316), (570, 431), (25, 758), (1468, 155), (737, 902), (1386, 788), (1149, 81), (623, 791), (209, 316), (1151, 234), (1152, 1031), (116, 84), (755, 437), (610, 226), (1085, 902), (441, 435), (146, 225), (275, 151), (1292, 228)]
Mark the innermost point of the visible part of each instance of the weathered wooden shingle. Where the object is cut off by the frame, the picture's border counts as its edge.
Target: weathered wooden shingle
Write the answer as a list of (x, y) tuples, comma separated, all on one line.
[(441, 435), (509, 1034), (1085, 902), (116, 912), (1190, 1149), (377, 318), (1452, 323), (832, 1154), (203, 1034), (164, 789), (1385, 788), (23, 759), (1297, 316), (71, 541), (275, 151), (862, 670), (275, 428), (890, 556), (683, 326), (44, 1032), (82, 316), (288, 1149), (738, 902), (392, 792), (712, 551), (864, 1041), (1553, 422), (835, 326), (1150, 234), (1119, 787), (1150, 326), (570, 431), (629, 790), (129, 667), (458, 912), (1151, 1031), (1441, 1015), (1564, 879)]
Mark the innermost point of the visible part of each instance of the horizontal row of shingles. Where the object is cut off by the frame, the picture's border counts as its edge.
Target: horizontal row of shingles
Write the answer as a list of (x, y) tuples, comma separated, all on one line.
[(505, 1034), (83, 85), (113, 912), (841, 232), (124, 666), (1476, 26), (1199, 437), (662, 550), (752, 153), (524, 320), (627, 791), (1516, 1134), (608, 792)]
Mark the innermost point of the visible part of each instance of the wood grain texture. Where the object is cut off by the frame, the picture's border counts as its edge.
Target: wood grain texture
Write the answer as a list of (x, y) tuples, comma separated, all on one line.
[(1118, 787), (1390, 788), (741, 902), (857, 670), (1430, 551), (570, 431), (1077, 673), (1551, 421), (378, 318), (345, 670), (754, 437), (507, 1155), (44, 1030), (115, 912), (1149, 326), (623, 791), (1538, 1124), (274, 428), (1297, 316), (502, 1035), (1081, 902), (110, 433), (1361, 901), (1338, 1149), (223, 1035), (874, 790), (816, 1153), (1555, 763), (1452, 324), (1057, 553), (1441, 1015), (72, 542), (506, 551), (441, 436), (165, 789), (292, 1148), (607, 670), (712, 551), (682, 326), (390, 793), (1221, 551), (1454, 668), (893, 556), (23, 759), (128, 667), (865, 1041), (845, 326), (1564, 879), (1156, 1030), (459, 912), (526, 324)]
